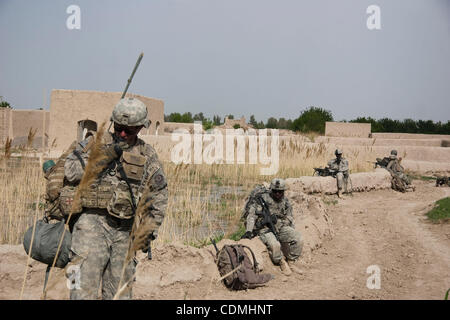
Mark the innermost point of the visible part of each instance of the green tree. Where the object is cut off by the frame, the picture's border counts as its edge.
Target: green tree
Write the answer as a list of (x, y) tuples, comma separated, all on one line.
[(252, 121), (199, 117), (216, 120), (207, 124), (187, 118), (312, 119), (272, 123), (4, 104)]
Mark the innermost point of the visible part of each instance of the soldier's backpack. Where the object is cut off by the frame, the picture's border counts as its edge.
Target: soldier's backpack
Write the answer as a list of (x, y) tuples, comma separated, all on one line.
[(237, 270), (55, 183), (256, 192)]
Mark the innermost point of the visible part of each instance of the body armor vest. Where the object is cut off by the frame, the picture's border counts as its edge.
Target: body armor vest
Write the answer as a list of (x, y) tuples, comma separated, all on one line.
[(111, 190)]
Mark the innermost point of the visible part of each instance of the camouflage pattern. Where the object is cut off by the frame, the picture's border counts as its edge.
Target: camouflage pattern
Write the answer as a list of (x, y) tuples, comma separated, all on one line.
[(342, 171), (130, 112), (278, 184), (99, 246), (112, 252), (394, 152), (396, 169), (291, 243)]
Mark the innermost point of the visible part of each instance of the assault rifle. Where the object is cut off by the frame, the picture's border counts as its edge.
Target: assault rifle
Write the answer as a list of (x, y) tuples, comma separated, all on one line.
[(268, 219), (325, 172)]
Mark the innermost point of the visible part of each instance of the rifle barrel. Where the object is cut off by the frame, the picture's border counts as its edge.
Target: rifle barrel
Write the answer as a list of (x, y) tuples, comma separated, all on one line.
[(132, 74)]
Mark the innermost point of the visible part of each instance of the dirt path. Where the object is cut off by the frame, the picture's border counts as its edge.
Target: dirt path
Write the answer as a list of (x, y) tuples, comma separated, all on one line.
[(387, 229), (383, 228)]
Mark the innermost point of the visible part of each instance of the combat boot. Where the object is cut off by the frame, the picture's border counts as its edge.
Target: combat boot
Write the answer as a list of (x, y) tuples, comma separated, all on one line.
[(339, 193), (293, 267), (285, 269)]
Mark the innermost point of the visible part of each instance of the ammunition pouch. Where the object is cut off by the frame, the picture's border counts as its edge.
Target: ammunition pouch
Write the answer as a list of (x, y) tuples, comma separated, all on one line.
[(133, 165), (66, 200), (120, 204), (97, 195)]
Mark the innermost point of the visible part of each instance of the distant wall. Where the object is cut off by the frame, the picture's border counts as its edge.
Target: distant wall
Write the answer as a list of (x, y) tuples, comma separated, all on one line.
[(67, 107), (382, 142), (387, 135), (344, 129), (16, 125), (170, 127)]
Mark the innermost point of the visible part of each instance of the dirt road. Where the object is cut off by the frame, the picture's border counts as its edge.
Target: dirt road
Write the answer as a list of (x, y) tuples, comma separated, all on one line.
[(382, 228)]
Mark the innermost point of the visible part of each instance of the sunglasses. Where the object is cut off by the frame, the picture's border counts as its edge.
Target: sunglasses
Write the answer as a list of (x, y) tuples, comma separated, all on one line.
[(128, 130)]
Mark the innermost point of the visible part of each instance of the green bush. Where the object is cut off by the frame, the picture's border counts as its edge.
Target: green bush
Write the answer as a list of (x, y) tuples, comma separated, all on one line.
[(312, 119)]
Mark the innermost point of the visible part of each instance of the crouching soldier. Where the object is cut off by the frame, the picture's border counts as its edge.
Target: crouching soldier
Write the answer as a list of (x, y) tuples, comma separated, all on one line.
[(269, 216), (401, 181), (339, 166)]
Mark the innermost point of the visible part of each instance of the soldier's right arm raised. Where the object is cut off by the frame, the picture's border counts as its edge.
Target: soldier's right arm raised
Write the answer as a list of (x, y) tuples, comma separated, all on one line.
[(76, 162)]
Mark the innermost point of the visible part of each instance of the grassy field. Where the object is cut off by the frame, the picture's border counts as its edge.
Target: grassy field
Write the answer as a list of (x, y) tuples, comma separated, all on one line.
[(441, 211), (204, 200)]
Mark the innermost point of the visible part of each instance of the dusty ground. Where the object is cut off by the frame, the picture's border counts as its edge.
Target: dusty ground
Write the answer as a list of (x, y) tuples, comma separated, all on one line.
[(383, 228)]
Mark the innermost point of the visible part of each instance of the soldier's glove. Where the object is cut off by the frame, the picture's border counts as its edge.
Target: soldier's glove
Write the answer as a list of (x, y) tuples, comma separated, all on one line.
[(150, 237), (247, 235)]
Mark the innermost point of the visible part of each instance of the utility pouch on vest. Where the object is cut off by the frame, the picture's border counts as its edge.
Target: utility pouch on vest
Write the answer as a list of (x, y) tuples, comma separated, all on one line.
[(133, 165), (120, 205), (66, 199)]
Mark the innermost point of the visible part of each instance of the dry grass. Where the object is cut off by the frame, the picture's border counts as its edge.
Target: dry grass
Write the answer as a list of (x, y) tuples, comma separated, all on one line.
[(204, 200)]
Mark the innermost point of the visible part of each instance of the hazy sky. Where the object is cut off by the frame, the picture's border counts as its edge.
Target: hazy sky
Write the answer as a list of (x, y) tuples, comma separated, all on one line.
[(268, 58)]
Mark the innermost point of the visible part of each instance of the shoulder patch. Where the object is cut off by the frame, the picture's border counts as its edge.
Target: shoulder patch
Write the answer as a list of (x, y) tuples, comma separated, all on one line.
[(158, 180)]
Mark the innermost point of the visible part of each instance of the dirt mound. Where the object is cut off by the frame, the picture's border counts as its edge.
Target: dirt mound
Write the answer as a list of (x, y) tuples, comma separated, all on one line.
[(363, 181)]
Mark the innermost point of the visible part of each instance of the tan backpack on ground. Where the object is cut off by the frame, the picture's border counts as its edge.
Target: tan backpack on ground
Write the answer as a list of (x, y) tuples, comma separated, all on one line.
[(239, 272)]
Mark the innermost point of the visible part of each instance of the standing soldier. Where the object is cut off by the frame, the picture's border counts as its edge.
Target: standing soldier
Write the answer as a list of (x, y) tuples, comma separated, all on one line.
[(340, 166), (100, 238), (279, 235)]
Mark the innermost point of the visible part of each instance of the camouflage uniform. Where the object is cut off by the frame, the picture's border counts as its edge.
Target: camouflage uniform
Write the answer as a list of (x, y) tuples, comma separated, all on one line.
[(396, 169), (290, 243), (100, 237), (342, 172)]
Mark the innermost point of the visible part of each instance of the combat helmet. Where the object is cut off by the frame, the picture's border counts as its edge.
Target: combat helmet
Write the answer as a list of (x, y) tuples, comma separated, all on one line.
[(338, 151), (130, 112), (277, 184), (393, 154)]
